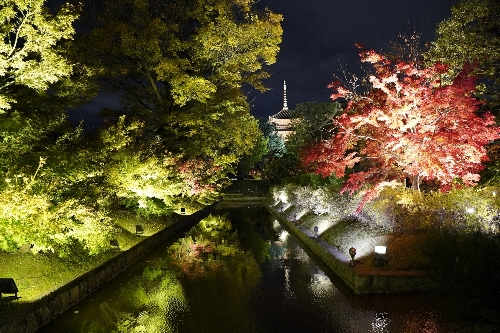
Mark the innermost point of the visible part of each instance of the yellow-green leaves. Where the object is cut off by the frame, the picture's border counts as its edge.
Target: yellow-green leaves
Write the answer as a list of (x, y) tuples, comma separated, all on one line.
[(29, 51), (186, 88)]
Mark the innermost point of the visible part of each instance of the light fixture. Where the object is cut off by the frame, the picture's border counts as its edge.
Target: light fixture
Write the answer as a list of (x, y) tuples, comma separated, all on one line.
[(139, 230), (114, 243), (352, 253), (8, 286), (380, 250), (381, 255)]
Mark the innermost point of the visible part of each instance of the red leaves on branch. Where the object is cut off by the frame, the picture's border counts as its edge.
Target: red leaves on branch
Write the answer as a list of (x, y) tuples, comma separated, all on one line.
[(196, 175), (409, 125)]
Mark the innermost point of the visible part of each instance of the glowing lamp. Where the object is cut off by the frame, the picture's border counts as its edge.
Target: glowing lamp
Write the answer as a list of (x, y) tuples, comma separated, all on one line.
[(470, 210), (380, 250), (381, 256)]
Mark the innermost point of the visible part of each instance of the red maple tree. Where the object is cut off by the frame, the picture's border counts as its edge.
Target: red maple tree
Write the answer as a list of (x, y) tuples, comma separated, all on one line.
[(407, 126)]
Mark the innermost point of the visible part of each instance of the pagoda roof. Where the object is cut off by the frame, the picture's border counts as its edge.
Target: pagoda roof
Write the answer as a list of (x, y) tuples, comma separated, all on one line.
[(283, 114)]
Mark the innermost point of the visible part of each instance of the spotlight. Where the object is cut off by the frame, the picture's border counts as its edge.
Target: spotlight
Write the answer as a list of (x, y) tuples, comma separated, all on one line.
[(381, 255)]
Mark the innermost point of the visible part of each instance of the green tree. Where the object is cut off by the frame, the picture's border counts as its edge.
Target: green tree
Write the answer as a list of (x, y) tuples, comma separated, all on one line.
[(471, 34), (180, 51), (249, 162), (180, 66), (30, 55), (34, 73), (275, 144), (31, 60), (312, 122)]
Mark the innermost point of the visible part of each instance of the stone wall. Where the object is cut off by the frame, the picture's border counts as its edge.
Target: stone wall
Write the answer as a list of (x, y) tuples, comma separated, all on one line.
[(46, 309), (358, 281)]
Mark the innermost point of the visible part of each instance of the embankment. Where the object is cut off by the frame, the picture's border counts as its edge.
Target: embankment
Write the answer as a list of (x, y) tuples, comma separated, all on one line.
[(32, 317), (359, 280)]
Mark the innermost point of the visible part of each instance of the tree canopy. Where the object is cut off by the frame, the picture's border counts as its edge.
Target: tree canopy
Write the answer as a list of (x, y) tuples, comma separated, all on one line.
[(312, 122), (30, 52), (180, 67), (409, 125), (183, 124), (471, 34)]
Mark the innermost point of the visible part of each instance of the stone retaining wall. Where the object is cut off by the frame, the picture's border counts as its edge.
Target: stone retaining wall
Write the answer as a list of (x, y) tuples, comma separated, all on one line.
[(358, 281), (46, 309)]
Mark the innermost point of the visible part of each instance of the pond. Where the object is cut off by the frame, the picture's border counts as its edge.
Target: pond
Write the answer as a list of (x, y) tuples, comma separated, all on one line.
[(239, 270)]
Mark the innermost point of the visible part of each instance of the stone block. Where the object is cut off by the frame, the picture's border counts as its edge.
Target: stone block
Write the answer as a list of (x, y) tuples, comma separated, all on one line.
[(64, 299), (74, 294)]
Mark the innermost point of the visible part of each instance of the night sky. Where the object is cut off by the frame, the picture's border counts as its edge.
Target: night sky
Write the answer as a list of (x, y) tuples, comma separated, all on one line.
[(319, 36)]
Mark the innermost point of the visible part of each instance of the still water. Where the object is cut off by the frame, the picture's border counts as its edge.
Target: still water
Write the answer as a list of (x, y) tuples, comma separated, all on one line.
[(239, 271)]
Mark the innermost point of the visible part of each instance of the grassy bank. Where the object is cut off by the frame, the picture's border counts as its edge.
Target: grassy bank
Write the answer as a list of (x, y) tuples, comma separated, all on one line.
[(38, 274)]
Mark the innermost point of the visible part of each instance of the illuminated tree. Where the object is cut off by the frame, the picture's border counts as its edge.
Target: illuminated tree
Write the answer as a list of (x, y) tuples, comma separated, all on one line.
[(31, 60), (409, 125), (471, 34), (180, 66), (29, 52), (312, 122), (183, 51)]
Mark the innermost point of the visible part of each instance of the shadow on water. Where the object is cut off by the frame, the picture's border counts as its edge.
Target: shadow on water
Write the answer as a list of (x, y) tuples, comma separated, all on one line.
[(239, 270)]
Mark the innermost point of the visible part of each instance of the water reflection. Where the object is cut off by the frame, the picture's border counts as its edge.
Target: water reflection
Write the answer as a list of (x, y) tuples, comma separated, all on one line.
[(239, 271)]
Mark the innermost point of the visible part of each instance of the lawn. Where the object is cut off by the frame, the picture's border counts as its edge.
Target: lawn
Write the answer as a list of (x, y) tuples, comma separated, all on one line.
[(38, 274)]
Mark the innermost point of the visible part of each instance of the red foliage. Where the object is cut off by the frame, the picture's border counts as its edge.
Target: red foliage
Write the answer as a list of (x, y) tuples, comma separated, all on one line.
[(409, 125), (196, 174)]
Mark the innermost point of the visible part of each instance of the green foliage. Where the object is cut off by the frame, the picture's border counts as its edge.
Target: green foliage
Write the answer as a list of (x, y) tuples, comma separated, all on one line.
[(462, 211), (153, 295), (30, 217), (215, 223), (472, 35), (191, 59), (275, 144), (29, 52), (185, 122), (312, 122), (280, 168), (248, 162)]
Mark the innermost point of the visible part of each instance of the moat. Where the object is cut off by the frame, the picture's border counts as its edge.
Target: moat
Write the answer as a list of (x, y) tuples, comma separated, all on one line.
[(241, 271)]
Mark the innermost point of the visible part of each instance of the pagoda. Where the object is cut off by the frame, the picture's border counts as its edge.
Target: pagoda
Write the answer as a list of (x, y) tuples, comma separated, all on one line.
[(282, 120)]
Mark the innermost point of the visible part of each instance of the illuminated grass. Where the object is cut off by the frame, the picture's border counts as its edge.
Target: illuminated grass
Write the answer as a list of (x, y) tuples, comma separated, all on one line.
[(38, 274), (340, 225)]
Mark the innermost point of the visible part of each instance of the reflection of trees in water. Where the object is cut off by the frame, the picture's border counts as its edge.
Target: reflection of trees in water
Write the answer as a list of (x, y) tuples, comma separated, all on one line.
[(209, 260), (213, 247), (220, 265), (144, 305), (218, 244)]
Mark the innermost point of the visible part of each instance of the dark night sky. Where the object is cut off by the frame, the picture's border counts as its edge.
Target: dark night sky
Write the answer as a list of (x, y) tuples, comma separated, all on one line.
[(318, 35)]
